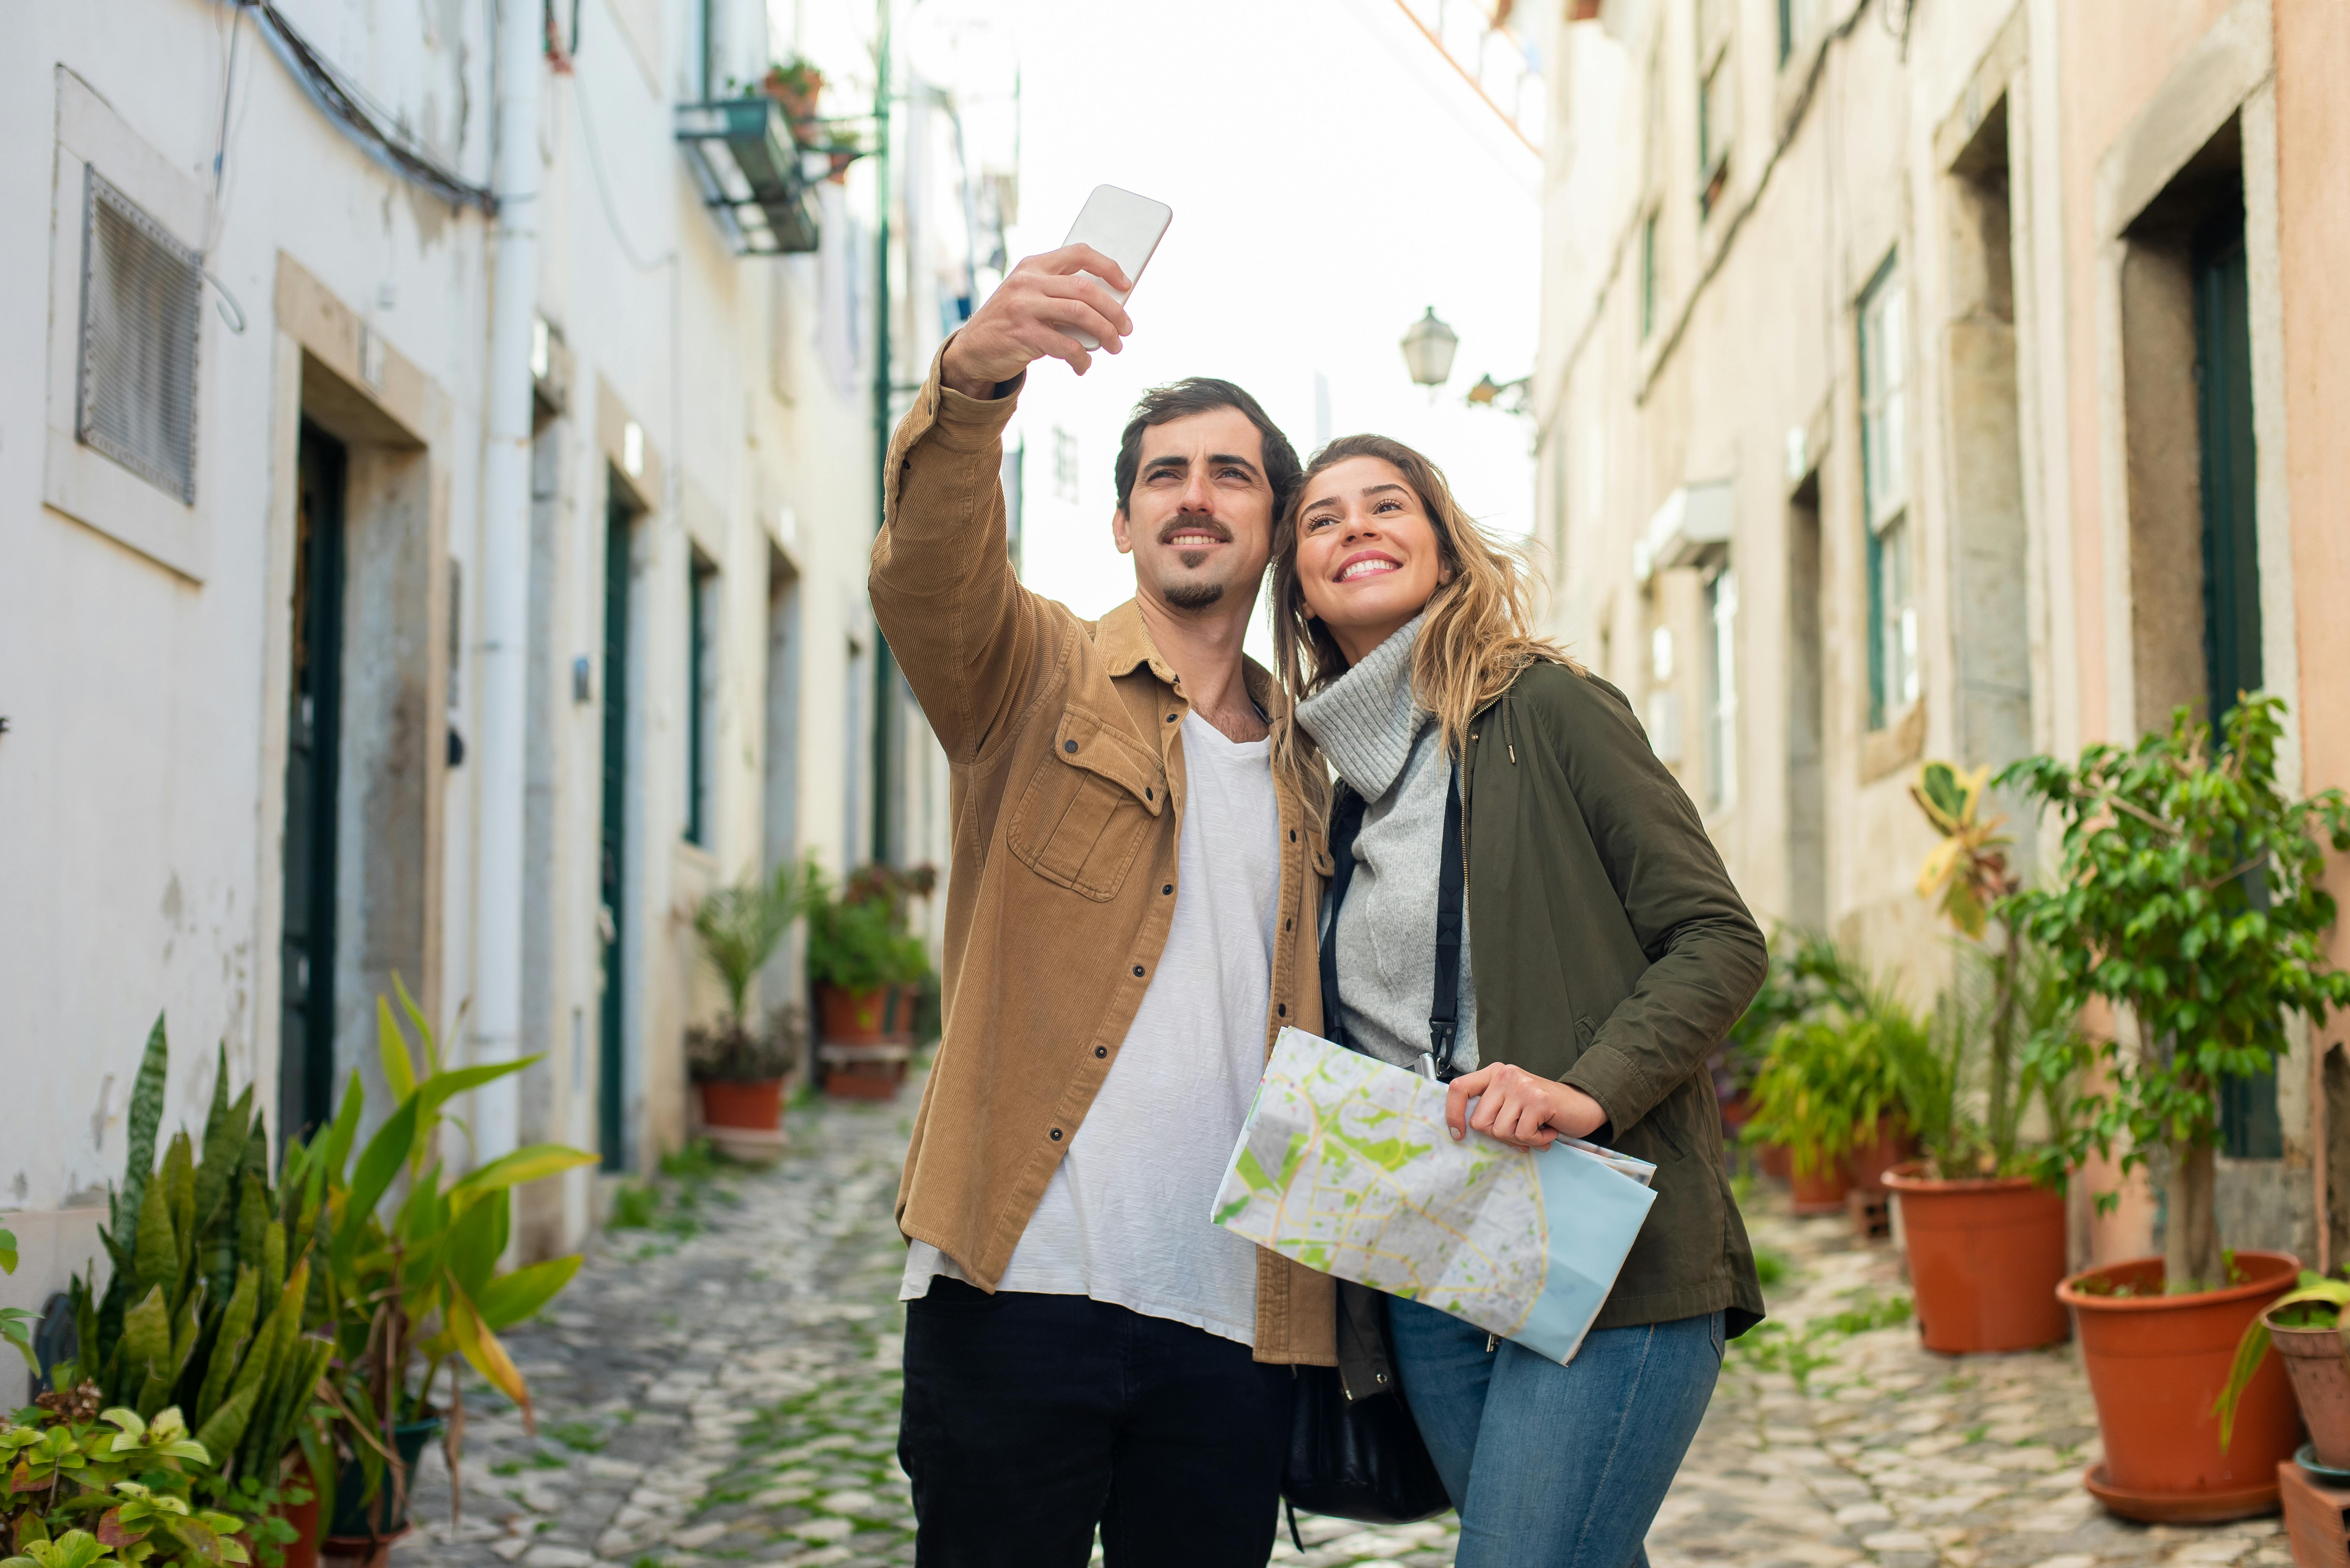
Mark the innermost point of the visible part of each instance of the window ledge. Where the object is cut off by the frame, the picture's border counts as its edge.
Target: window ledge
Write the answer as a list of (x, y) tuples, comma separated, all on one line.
[(1901, 742)]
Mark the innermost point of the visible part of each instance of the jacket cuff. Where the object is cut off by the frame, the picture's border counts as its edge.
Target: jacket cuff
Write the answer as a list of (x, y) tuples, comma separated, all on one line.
[(965, 423), (1617, 1082)]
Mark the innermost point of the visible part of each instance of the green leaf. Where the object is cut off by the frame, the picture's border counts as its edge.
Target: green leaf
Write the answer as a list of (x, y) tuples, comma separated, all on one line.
[(524, 1165), (345, 1130), (146, 1347), (146, 1117), (438, 1089), (223, 1142), (423, 1029), (517, 1297), (7, 1252), (379, 1163), (229, 1343), (391, 1045), (473, 1247)]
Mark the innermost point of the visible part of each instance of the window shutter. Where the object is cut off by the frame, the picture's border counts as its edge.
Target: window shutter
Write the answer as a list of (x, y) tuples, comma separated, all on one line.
[(141, 291)]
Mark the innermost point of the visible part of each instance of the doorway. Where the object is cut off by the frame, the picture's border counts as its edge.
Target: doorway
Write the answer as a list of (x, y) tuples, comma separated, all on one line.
[(307, 956), (1807, 832), (611, 1079)]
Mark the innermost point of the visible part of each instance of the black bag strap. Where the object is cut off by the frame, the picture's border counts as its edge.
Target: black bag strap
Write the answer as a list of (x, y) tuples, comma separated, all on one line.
[(1444, 1011), (1346, 822)]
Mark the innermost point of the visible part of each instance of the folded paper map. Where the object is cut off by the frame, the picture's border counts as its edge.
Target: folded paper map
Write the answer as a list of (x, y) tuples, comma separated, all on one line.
[(1346, 1165)]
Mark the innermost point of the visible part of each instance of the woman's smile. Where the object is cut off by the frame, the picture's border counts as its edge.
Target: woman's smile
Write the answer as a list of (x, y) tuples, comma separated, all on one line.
[(1367, 564)]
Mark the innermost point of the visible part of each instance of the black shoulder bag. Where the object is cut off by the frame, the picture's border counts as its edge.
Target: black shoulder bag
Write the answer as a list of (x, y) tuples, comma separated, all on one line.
[(1355, 1451)]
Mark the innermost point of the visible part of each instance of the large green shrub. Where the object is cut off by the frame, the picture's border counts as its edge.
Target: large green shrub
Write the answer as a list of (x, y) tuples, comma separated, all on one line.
[(2188, 898)]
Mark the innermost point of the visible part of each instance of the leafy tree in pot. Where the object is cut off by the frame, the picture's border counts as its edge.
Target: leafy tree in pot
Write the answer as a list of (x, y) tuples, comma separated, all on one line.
[(2188, 898), (740, 927)]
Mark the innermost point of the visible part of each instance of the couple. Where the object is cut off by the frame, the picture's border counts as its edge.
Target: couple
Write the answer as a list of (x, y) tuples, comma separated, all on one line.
[(1142, 829)]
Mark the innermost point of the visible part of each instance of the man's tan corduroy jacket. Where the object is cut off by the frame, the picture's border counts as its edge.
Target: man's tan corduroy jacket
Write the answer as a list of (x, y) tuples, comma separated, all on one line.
[(1067, 801)]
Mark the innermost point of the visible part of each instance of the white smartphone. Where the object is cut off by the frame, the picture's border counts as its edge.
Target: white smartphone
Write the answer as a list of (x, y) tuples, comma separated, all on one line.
[(1124, 227)]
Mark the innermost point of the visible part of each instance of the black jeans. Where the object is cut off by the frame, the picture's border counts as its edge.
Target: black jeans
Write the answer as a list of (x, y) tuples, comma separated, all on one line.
[(1030, 1418)]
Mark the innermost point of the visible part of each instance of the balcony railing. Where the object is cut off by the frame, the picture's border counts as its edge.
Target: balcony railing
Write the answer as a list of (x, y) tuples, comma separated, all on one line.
[(754, 176)]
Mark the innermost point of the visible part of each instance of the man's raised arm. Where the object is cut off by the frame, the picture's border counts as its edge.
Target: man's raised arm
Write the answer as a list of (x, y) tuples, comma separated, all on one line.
[(959, 623)]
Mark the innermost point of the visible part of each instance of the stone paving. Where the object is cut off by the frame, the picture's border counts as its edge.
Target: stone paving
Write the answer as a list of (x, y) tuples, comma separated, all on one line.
[(719, 1386)]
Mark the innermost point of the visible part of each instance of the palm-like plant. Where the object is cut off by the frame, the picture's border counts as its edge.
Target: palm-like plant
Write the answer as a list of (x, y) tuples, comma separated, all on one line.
[(740, 927), (422, 1285)]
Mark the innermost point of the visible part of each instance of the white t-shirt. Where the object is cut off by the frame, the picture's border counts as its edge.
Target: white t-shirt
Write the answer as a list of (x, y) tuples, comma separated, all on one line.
[(1125, 1218)]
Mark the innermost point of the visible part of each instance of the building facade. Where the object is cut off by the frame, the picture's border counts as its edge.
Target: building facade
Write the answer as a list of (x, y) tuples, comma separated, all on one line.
[(1949, 380), (247, 539)]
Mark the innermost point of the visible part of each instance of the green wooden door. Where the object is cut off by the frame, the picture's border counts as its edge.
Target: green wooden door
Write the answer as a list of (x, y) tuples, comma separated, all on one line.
[(611, 1082), (306, 1071)]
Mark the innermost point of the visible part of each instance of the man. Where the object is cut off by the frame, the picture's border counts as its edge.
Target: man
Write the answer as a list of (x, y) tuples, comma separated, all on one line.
[(1127, 927)]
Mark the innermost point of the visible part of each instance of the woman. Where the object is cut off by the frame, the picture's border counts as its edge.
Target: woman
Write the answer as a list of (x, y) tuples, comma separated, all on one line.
[(1610, 955)]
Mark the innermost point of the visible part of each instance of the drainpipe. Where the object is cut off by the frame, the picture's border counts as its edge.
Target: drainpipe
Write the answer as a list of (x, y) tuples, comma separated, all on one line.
[(506, 578), (885, 671)]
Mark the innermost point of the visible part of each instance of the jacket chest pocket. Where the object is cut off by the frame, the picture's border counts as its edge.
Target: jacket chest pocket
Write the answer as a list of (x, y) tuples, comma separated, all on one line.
[(1088, 808)]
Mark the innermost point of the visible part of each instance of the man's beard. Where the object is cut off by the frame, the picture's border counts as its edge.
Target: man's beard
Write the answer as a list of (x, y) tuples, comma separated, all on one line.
[(1192, 596)]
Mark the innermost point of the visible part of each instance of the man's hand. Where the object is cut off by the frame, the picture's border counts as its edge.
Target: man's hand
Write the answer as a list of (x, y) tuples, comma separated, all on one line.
[(1518, 1107), (1031, 315)]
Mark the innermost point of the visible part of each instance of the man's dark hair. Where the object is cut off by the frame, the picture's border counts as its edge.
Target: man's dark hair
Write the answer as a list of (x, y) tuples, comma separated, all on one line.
[(1199, 394)]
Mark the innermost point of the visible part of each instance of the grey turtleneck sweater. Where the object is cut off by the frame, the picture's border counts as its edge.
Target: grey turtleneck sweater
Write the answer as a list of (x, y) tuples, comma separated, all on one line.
[(1388, 749)]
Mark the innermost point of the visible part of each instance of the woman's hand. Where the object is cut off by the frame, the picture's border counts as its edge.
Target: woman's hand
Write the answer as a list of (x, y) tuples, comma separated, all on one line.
[(1519, 1108)]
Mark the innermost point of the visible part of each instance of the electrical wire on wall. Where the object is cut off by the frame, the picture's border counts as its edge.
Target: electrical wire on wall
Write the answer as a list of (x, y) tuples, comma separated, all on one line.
[(366, 122)]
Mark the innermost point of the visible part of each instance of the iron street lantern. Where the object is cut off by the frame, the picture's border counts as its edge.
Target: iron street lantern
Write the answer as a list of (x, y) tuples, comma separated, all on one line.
[(1428, 351)]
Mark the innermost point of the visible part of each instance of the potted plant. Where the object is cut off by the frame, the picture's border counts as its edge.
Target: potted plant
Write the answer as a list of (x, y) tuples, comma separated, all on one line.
[(796, 85), (1806, 974), (737, 1069), (861, 960), (1828, 1090), (406, 1294), (1983, 1215), (2188, 901), (2305, 1327), (205, 1310), (116, 1488)]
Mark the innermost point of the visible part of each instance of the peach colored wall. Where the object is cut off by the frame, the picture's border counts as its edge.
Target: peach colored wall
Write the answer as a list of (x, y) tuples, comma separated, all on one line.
[(2114, 54), (2313, 46)]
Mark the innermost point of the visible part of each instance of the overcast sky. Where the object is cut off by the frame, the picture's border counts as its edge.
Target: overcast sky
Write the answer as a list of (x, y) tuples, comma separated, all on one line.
[(1331, 178)]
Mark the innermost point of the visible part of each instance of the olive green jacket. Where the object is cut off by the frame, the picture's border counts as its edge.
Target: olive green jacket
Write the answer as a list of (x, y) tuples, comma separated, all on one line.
[(1613, 954)]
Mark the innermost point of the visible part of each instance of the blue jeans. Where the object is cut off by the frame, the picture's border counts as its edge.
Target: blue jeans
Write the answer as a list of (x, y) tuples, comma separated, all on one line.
[(1550, 1466)]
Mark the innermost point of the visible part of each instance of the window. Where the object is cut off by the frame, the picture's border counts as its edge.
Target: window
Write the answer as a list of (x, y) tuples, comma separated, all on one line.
[(1794, 26), (1715, 113), (141, 294), (1722, 717), (1893, 613), (701, 699)]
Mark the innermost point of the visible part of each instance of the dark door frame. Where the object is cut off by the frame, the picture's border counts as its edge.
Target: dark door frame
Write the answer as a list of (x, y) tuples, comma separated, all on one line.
[(313, 732)]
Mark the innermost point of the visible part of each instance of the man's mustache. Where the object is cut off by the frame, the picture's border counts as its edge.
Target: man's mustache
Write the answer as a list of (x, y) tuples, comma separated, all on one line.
[(1223, 535)]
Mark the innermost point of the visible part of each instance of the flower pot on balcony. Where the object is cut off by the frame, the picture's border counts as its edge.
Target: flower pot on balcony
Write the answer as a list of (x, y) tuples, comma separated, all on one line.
[(2156, 1366), (1985, 1259), (853, 1017), (2315, 1366)]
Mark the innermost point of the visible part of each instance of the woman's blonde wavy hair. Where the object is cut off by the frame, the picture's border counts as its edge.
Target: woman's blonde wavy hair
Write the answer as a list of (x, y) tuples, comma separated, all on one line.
[(1478, 635)]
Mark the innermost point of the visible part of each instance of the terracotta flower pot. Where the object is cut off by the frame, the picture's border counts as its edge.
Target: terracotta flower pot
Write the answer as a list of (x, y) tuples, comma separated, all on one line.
[(1985, 1259), (302, 1552), (1821, 1189), (758, 1105), (852, 1017), (1777, 1161), (2156, 1366), (2315, 1366), (902, 1001), (1870, 1158)]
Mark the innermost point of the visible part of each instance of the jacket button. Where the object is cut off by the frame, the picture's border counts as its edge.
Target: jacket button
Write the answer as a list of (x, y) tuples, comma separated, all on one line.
[(1169, 889), (1056, 1135), (1172, 717), (1283, 1010), (1068, 746), (1292, 835), (1148, 795), (1138, 972), (1286, 924), (1101, 1050)]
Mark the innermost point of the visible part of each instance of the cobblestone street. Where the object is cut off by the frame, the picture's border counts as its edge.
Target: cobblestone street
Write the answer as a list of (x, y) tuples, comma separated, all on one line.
[(719, 1386)]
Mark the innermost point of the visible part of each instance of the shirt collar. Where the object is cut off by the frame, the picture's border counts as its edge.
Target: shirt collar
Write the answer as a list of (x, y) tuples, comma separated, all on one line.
[(1126, 646)]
